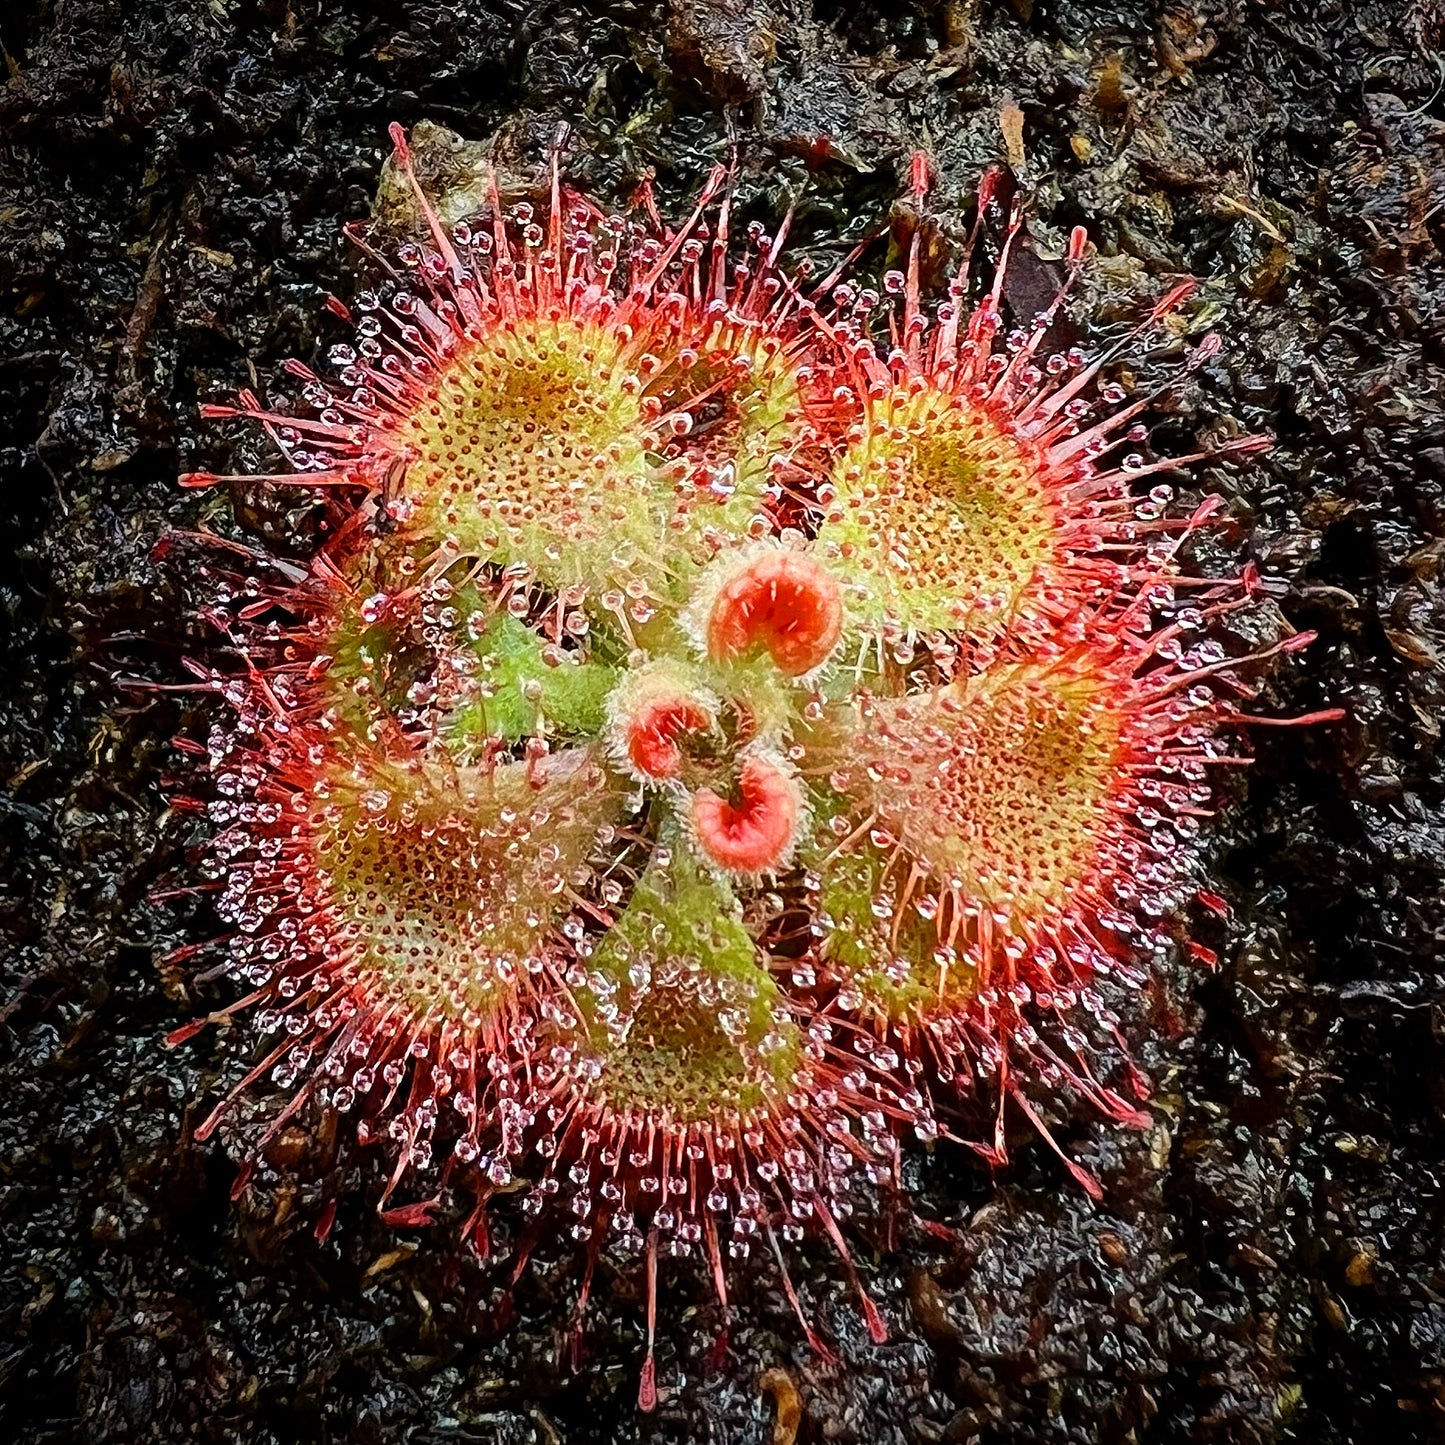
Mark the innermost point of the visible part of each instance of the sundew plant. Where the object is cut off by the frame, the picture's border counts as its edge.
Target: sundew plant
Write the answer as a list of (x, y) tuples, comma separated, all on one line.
[(737, 724)]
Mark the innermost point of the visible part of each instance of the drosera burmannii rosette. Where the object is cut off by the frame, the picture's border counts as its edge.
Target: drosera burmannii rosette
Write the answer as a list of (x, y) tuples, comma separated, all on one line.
[(735, 726)]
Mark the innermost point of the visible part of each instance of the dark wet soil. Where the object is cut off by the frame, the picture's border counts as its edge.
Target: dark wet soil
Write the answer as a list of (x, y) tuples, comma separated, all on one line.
[(1268, 1262)]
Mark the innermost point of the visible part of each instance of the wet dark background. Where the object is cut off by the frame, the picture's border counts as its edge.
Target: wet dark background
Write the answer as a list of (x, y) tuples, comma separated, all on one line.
[(1268, 1263)]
